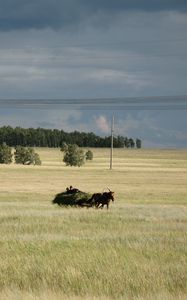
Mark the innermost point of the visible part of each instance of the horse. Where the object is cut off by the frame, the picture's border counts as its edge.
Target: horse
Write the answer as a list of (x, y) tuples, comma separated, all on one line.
[(101, 199)]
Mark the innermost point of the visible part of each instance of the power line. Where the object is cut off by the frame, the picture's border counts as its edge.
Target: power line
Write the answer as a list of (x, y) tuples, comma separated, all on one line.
[(178, 102), (98, 44), (83, 57)]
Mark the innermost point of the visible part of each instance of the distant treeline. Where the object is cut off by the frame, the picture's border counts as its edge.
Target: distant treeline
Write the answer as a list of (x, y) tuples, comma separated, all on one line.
[(54, 138)]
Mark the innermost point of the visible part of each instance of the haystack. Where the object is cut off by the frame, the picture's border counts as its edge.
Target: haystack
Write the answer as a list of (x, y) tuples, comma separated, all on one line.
[(75, 199)]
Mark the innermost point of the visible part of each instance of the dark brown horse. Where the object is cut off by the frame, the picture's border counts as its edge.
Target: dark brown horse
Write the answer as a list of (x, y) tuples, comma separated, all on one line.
[(101, 199)]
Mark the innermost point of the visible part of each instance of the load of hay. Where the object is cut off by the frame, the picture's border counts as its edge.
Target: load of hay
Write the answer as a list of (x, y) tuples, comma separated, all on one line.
[(73, 197)]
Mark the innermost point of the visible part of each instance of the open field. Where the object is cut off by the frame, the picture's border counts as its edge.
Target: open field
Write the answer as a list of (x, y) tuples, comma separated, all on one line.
[(136, 250)]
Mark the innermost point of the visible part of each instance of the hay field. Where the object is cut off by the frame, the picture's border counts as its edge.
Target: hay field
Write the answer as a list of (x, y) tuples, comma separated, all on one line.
[(136, 250)]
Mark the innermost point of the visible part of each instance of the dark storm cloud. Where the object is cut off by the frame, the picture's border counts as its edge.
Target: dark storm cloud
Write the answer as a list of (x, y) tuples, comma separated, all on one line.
[(37, 14)]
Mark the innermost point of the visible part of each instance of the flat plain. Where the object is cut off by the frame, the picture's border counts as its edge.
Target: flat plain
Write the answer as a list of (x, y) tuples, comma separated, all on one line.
[(135, 250)]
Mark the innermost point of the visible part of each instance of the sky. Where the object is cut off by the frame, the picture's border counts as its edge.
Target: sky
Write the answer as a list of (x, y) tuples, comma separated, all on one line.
[(101, 49)]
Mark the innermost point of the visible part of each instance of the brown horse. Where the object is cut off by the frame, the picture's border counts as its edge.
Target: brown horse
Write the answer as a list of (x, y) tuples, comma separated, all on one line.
[(101, 199)]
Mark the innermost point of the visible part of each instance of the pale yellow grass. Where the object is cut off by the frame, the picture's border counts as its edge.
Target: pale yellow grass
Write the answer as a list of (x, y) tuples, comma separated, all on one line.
[(135, 174), (48, 295), (136, 250)]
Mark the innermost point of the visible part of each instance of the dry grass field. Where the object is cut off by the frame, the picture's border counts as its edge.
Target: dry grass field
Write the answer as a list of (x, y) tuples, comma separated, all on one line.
[(135, 250)]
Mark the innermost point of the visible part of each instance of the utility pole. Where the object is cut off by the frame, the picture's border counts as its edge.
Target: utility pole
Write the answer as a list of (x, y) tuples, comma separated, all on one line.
[(112, 138)]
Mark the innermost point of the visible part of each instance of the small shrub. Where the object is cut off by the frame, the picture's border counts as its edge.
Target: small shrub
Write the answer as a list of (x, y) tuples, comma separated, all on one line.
[(5, 154), (89, 155), (37, 160)]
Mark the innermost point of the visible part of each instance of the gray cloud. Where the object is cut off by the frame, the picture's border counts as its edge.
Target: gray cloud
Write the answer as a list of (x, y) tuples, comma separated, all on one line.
[(55, 14), (138, 55), (155, 128), (101, 49)]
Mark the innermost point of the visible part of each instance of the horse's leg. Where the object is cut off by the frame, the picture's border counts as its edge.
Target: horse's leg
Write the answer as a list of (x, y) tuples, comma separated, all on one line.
[(97, 205), (102, 205)]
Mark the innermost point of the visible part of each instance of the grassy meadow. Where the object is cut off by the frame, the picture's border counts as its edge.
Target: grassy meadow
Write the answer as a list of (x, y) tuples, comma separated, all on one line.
[(137, 250)]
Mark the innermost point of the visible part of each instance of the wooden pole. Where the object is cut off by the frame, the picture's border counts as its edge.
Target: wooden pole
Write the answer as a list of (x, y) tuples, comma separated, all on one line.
[(112, 138)]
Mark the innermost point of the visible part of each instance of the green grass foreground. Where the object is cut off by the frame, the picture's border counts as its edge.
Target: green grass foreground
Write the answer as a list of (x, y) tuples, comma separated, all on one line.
[(137, 250)]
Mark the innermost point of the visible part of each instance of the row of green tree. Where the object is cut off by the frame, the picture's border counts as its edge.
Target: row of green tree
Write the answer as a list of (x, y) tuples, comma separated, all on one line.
[(73, 155), (21, 155), (41, 137)]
